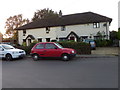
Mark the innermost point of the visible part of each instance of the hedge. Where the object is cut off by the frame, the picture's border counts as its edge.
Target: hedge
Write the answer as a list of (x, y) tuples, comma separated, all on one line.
[(80, 47), (103, 43)]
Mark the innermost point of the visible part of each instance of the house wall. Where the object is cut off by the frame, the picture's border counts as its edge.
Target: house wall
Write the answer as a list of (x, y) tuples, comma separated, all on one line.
[(37, 33), (83, 30), (55, 32)]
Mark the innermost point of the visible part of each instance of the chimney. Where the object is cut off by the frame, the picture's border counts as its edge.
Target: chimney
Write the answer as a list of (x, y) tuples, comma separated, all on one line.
[(60, 13)]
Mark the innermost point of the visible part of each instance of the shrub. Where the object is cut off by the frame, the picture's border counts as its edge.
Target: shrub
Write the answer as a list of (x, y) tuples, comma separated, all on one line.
[(80, 47), (103, 43), (24, 44)]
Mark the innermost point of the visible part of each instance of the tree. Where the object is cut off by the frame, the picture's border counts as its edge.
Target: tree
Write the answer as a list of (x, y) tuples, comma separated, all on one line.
[(14, 22), (113, 35), (45, 14)]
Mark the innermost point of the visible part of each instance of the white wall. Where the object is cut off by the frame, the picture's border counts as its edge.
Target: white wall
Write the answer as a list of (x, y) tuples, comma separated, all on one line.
[(37, 33), (82, 30), (55, 32)]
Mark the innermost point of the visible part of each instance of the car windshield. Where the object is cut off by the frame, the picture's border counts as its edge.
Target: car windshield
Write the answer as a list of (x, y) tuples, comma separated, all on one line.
[(58, 45), (8, 47)]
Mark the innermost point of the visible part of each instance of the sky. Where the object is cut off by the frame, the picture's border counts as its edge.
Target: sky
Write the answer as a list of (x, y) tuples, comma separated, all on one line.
[(119, 14), (27, 8)]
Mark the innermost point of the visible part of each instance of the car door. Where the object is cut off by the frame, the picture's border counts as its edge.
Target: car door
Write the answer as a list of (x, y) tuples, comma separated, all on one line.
[(40, 50), (51, 50), (1, 52)]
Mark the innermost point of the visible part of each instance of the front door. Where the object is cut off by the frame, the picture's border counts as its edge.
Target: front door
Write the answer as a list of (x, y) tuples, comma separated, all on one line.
[(29, 41), (72, 38)]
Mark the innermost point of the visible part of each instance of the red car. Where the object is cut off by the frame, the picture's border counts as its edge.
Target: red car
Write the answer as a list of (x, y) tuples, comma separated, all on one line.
[(52, 49)]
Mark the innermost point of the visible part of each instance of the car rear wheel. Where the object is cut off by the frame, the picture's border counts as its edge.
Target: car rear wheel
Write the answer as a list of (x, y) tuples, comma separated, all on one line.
[(65, 57), (35, 57), (8, 57)]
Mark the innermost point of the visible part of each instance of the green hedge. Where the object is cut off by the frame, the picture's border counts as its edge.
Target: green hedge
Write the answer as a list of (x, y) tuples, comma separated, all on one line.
[(27, 48), (103, 43), (80, 47)]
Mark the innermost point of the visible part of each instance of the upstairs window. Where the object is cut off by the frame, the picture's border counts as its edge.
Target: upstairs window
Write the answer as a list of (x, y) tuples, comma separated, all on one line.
[(24, 32), (63, 28), (47, 30), (96, 25)]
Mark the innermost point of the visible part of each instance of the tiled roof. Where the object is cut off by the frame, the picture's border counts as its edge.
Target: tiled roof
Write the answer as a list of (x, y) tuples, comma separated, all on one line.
[(72, 19)]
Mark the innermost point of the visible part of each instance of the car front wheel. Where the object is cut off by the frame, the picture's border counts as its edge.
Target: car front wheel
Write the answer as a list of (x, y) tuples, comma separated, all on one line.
[(65, 57), (35, 57), (8, 57)]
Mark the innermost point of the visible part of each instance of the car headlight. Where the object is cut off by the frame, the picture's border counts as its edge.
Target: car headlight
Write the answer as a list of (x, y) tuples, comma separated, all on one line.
[(73, 51), (15, 52)]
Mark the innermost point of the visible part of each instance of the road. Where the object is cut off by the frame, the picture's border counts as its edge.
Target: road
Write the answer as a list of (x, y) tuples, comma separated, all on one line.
[(77, 73)]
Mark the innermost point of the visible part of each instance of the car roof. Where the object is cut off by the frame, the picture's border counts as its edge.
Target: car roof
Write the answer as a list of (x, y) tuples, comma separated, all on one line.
[(5, 44), (45, 42)]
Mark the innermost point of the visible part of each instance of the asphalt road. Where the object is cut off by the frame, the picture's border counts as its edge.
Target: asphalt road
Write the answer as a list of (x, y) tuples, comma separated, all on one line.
[(77, 73)]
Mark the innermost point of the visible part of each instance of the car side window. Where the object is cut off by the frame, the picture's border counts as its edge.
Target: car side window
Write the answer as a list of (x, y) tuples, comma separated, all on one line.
[(50, 46), (40, 46)]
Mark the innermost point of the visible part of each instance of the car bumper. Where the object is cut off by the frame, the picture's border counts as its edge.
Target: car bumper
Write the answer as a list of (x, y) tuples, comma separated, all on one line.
[(72, 55), (19, 56)]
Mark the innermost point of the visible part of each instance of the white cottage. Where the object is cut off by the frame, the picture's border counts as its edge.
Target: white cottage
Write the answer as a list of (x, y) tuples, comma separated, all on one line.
[(68, 27)]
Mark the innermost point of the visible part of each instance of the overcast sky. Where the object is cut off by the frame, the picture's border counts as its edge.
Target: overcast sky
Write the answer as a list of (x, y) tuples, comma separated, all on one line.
[(119, 14), (107, 8)]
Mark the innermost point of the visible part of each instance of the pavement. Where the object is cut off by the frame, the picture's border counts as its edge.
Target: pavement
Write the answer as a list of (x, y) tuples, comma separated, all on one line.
[(103, 52), (100, 52)]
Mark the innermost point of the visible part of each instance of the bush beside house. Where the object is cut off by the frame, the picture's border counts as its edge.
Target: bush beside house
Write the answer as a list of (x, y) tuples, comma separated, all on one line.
[(80, 47), (103, 43)]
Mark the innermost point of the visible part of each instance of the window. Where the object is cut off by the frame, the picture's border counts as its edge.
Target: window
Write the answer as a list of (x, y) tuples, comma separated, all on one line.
[(24, 40), (47, 39), (40, 40), (40, 46), (50, 46), (24, 32), (63, 28), (29, 41), (47, 30), (96, 25)]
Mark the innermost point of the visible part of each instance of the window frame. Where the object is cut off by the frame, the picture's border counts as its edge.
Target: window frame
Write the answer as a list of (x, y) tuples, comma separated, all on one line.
[(24, 32), (96, 25), (63, 28), (47, 30)]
